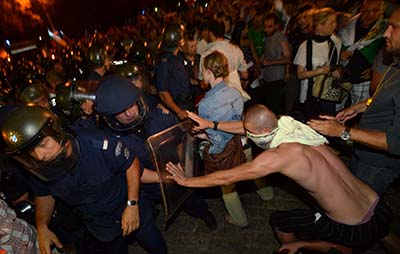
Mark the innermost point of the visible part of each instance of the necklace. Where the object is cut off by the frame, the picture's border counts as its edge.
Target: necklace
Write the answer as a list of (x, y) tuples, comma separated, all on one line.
[(381, 83)]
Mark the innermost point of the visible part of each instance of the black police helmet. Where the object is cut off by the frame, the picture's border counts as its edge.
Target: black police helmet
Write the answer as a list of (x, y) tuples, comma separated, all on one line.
[(115, 95), (96, 55), (23, 131), (172, 37)]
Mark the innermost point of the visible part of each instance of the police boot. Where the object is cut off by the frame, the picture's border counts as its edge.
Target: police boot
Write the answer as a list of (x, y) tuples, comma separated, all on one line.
[(237, 216)]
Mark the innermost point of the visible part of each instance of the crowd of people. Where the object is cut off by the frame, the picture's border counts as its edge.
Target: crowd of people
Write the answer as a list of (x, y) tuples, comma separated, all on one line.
[(75, 173)]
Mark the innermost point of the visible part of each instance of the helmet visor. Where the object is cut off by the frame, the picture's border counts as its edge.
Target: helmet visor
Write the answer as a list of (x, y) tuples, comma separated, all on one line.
[(133, 125), (50, 159)]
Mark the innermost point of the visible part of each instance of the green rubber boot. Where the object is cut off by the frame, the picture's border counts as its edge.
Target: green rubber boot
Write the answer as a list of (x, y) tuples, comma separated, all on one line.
[(237, 216)]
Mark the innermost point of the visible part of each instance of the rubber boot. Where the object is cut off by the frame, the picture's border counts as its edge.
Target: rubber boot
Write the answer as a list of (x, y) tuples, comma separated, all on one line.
[(266, 193), (235, 209)]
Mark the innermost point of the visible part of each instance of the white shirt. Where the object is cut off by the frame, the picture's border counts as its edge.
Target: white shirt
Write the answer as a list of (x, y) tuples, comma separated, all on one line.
[(320, 58)]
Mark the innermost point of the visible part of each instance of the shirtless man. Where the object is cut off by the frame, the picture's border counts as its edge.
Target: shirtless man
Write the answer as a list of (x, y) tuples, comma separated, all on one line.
[(350, 213)]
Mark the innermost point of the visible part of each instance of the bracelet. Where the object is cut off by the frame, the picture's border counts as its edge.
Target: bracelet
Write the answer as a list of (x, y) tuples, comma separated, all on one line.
[(215, 125)]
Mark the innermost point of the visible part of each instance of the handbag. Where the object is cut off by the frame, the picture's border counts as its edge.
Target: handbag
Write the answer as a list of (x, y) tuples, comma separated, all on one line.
[(326, 87), (232, 156)]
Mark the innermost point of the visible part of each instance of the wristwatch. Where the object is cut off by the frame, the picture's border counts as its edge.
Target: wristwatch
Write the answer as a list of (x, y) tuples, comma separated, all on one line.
[(132, 202), (215, 125), (346, 134)]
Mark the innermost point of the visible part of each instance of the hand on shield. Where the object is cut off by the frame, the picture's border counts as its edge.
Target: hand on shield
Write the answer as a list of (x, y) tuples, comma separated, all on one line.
[(200, 123), (177, 173)]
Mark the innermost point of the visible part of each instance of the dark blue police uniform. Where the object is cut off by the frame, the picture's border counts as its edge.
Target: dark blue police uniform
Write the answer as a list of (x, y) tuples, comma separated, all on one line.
[(194, 205), (94, 75), (97, 186), (172, 76)]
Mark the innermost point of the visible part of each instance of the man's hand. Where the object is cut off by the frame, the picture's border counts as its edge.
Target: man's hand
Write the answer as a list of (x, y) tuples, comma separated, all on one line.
[(330, 126), (345, 55), (163, 109), (182, 114), (347, 114), (130, 219), (177, 173), (367, 74), (337, 73), (46, 238), (324, 69), (87, 107), (290, 248), (202, 123), (265, 63)]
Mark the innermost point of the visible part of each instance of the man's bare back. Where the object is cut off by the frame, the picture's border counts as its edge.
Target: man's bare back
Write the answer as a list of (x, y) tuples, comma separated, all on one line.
[(318, 170)]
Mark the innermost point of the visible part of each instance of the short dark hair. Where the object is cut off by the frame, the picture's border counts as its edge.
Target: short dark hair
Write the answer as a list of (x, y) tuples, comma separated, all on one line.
[(217, 28), (304, 8), (273, 16)]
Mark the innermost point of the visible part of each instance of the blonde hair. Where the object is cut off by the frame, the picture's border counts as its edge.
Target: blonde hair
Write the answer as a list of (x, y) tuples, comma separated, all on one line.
[(320, 16), (217, 63)]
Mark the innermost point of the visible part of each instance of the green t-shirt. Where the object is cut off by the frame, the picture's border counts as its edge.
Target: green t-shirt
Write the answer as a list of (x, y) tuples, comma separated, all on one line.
[(258, 39)]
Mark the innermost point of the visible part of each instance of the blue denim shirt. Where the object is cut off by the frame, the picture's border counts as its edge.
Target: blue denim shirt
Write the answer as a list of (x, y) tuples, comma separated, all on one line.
[(222, 104)]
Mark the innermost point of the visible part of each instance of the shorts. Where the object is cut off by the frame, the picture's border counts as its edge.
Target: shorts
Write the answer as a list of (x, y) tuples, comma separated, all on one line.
[(314, 224)]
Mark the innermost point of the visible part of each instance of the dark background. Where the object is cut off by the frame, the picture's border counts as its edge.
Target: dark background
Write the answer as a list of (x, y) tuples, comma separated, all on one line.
[(73, 17)]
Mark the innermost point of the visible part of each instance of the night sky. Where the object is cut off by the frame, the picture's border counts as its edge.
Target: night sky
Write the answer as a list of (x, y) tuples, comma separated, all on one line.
[(73, 17)]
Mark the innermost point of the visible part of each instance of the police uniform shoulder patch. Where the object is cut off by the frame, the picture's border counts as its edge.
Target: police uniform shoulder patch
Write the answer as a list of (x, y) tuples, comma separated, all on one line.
[(118, 149)]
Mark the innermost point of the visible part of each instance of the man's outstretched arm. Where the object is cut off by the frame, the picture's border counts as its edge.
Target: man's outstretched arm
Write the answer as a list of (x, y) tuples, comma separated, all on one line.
[(266, 163)]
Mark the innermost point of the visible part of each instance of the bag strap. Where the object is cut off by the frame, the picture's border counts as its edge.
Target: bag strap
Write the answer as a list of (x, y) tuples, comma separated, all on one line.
[(309, 66), (332, 50)]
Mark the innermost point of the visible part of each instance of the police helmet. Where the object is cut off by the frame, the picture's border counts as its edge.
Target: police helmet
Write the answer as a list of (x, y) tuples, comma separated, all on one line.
[(115, 95), (172, 37), (26, 129), (129, 70), (137, 53), (96, 55), (35, 94)]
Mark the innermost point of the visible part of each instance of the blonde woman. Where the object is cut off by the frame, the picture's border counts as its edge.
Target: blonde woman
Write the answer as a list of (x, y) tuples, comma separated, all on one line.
[(324, 49)]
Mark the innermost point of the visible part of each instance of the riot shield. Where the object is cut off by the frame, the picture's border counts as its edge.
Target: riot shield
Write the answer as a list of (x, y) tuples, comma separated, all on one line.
[(175, 144)]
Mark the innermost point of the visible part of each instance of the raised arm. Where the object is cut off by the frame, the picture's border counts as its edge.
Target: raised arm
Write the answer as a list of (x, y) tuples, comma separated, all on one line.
[(232, 127)]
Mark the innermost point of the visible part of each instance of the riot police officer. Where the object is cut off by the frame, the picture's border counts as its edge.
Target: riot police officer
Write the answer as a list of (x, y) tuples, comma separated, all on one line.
[(36, 94), (99, 61), (160, 117), (91, 170), (172, 79), (121, 105)]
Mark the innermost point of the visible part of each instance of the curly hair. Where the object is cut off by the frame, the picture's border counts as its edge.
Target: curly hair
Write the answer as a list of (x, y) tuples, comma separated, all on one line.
[(217, 63)]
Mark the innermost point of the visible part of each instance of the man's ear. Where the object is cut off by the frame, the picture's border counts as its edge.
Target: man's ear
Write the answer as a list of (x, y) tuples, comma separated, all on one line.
[(267, 130)]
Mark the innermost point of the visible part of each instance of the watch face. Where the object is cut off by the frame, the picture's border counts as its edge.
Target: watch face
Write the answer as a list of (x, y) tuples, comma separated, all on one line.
[(132, 202), (345, 135)]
